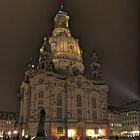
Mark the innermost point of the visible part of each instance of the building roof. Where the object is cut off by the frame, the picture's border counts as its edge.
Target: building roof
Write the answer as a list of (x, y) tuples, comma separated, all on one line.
[(131, 106), (8, 116)]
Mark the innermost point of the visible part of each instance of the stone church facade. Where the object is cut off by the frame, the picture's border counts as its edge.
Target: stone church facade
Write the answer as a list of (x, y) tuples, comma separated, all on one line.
[(75, 105)]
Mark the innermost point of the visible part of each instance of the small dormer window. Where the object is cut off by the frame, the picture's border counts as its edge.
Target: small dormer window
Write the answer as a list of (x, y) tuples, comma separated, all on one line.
[(71, 47)]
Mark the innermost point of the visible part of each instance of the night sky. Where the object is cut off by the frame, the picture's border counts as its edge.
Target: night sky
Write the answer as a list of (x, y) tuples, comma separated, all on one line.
[(111, 27)]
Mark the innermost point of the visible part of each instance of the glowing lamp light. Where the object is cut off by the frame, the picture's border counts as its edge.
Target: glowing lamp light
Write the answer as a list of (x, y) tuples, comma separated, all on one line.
[(32, 137), (90, 132), (102, 132), (33, 66), (23, 132), (15, 132), (124, 132), (8, 122), (71, 133), (1, 135), (9, 133), (99, 131), (135, 132)]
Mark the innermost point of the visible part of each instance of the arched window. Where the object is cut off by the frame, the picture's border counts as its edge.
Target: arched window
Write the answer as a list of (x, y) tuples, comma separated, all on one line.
[(94, 111), (40, 101), (79, 101), (59, 107), (79, 107), (93, 102), (59, 100), (59, 130), (94, 115)]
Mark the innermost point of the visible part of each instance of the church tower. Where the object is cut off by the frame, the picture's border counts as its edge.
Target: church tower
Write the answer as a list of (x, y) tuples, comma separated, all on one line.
[(75, 106), (95, 68), (45, 58)]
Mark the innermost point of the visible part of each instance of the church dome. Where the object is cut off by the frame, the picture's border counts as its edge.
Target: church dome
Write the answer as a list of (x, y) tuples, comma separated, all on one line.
[(68, 46), (67, 55)]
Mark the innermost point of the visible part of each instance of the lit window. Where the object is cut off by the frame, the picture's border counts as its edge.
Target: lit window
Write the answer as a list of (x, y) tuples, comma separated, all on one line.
[(59, 130)]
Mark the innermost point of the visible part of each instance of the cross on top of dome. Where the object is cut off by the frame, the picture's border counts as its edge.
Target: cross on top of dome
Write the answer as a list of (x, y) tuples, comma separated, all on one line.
[(61, 9)]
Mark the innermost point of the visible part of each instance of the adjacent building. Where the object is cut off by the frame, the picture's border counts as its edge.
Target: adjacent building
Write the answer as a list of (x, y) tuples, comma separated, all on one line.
[(75, 104), (131, 118), (7, 123), (125, 119), (115, 121)]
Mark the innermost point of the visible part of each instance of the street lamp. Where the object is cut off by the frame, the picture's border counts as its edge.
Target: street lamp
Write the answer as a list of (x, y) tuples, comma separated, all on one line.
[(15, 132), (9, 133)]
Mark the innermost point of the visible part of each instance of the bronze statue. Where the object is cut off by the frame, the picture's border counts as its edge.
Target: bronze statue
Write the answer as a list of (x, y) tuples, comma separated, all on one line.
[(40, 132)]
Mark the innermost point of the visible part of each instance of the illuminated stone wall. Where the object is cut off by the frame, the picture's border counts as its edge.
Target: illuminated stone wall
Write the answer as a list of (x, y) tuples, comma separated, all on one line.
[(52, 85)]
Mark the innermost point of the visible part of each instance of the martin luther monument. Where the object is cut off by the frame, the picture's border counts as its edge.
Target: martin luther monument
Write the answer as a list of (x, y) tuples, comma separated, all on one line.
[(40, 132)]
